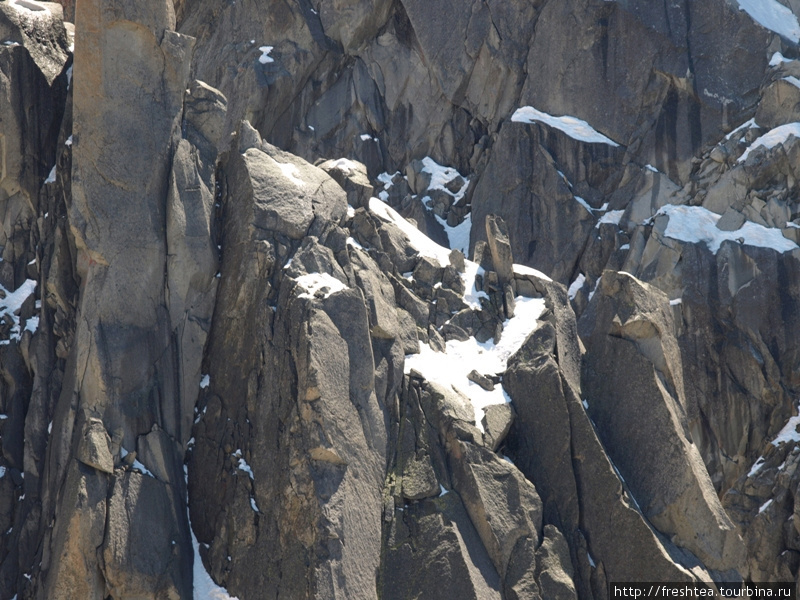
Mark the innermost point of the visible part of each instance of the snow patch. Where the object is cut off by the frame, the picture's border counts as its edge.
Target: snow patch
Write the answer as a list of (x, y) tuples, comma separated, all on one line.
[(746, 125), (352, 242), (386, 179), (772, 138), (430, 249), (572, 126), (441, 176), (136, 464), (265, 57), (242, 465), (32, 324), (525, 270), (585, 204), (774, 16), (458, 236), (205, 381), (696, 224), (612, 216), (765, 506), (319, 282), (291, 172), (51, 178), (575, 286), (778, 59), (204, 586), (10, 306), (450, 368), (789, 432), (345, 165), (421, 242), (793, 80)]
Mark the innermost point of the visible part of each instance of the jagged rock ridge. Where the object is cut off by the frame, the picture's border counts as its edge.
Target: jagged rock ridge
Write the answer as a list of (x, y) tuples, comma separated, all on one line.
[(242, 345)]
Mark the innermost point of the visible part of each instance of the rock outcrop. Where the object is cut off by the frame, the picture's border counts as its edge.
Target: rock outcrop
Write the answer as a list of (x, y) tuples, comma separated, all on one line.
[(394, 299)]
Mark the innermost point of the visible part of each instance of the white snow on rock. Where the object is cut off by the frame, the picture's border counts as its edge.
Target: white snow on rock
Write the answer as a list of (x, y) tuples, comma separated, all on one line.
[(315, 282), (51, 178), (575, 286), (32, 324), (204, 587), (772, 138), (525, 270), (778, 59), (765, 506), (774, 16), (345, 165), (450, 368), (585, 204), (205, 381), (421, 242), (386, 179), (291, 172), (11, 304), (242, 464), (430, 249), (612, 216), (696, 224), (136, 464), (789, 433), (746, 125), (458, 236), (265, 57), (574, 127), (441, 176), (793, 80)]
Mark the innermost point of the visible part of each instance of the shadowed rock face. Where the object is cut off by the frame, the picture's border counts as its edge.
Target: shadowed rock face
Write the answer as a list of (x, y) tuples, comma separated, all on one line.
[(231, 349)]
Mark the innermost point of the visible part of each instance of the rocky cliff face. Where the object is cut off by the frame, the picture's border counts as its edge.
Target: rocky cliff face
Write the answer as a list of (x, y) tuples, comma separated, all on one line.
[(397, 299)]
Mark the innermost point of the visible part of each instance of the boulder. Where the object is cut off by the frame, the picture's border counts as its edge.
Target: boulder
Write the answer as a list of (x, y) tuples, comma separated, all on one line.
[(94, 449), (352, 177), (497, 421)]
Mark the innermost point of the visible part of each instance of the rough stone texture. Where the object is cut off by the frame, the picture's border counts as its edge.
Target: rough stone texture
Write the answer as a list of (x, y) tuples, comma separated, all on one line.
[(683, 64), (640, 416), (94, 447), (318, 432), (500, 248), (555, 445), (730, 302), (140, 553), (521, 184), (497, 422), (210, 300)]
